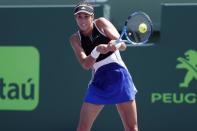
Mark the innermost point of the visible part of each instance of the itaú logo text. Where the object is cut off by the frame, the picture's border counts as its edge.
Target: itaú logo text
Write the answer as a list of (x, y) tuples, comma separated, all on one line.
[(19, 78), (17, 91), (182, 96)]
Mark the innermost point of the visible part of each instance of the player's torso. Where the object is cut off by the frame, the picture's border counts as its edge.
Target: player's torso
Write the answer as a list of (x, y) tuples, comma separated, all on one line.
[(97, 37), (88, 43)]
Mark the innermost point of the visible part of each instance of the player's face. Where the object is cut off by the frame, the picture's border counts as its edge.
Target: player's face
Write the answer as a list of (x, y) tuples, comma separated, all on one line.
[(84, 21)]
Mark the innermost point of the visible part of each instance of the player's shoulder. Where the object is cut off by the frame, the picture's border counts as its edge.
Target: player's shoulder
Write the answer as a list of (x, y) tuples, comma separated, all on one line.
[(74, 37), (102, 21)]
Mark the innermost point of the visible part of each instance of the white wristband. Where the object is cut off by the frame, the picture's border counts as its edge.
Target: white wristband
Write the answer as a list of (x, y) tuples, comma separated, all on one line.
[(95, 54)]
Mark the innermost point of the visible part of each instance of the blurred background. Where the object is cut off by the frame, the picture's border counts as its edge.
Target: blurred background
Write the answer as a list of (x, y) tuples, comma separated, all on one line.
[(42, 84)]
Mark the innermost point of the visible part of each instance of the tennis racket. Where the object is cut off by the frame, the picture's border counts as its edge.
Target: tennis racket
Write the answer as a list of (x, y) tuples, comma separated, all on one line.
[(136, 31)]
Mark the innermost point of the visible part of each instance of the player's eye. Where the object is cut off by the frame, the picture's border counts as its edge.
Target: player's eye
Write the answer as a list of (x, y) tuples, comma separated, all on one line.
[(87, 16), (83, 16)]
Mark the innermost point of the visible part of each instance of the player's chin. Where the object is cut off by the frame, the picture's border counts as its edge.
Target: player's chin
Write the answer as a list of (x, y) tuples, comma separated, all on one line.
[(83, 28)]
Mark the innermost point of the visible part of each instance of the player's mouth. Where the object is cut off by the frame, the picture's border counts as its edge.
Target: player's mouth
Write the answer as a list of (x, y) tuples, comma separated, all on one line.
[(83, 25)]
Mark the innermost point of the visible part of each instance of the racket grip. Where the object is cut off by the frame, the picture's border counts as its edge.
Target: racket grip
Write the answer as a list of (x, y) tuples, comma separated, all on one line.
[(117, 43)]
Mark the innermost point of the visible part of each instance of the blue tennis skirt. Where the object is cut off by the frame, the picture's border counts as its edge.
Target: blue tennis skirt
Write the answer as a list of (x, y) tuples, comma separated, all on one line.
[(111, 84)]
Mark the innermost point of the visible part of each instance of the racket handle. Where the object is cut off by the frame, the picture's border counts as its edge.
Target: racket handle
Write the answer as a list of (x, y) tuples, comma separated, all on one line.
[(117, 43)]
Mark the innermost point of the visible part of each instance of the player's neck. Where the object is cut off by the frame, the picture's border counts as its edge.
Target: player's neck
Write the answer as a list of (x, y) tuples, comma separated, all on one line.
[(87, 32)]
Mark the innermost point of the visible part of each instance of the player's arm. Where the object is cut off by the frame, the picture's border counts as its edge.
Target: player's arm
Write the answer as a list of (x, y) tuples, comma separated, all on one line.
[(109, 30), (85, 61)]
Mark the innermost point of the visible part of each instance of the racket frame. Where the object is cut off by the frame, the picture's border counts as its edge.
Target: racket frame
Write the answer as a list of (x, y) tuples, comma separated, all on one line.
[(124, 33)]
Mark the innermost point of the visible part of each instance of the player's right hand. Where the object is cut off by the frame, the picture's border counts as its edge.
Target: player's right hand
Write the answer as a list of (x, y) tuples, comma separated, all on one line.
[(103, 48)]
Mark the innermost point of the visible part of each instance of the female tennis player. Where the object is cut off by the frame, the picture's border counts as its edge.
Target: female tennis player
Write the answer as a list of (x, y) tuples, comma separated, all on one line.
[(111, 82)]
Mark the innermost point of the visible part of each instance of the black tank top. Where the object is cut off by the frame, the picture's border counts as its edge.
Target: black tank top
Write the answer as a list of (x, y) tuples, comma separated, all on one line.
[(89, 43)]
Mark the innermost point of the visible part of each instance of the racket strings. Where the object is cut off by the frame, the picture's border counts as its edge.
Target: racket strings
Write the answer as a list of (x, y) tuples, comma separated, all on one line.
[(135, 36), (133, 32)]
